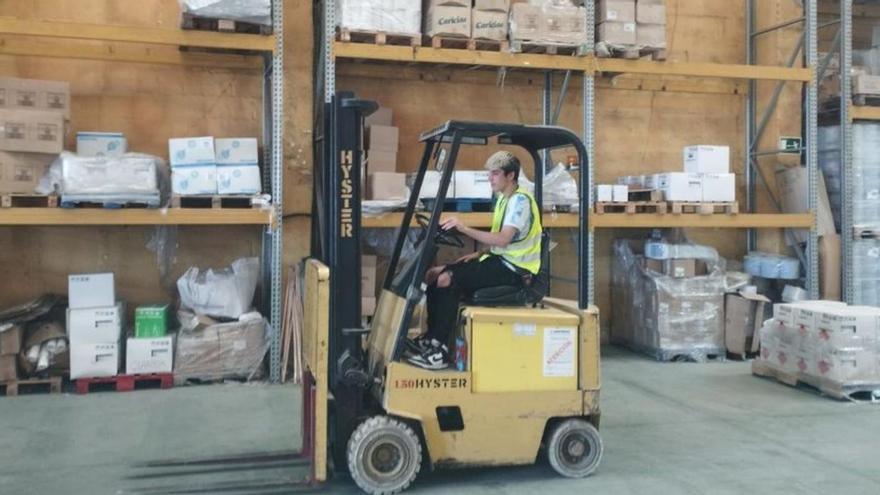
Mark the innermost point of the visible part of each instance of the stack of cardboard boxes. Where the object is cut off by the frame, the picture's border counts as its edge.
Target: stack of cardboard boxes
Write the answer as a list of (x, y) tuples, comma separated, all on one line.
[(382, 141), (706, 177), (489, 19), (448, 18), (387, 16), (33, 116), (205, 166), (151, 350), (623, 24), (548, 22), (94, 325), (10, 346)]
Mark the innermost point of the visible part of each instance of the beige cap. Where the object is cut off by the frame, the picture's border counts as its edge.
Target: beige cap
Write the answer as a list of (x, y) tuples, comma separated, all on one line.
[(500, 160)]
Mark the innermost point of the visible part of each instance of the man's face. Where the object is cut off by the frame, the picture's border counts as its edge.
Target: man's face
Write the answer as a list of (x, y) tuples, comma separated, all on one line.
[(499, 180)]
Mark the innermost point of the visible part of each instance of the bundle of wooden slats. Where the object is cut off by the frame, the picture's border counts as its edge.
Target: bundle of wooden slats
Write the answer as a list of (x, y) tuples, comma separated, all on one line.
[(292, 328)]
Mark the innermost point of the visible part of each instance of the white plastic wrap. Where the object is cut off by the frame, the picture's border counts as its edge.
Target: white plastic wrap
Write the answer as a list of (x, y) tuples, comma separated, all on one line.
[(227, 293), (866, 170), (254, 11), (556, 22), (772, 266), (666, 317), (208, 351), (389, 16)]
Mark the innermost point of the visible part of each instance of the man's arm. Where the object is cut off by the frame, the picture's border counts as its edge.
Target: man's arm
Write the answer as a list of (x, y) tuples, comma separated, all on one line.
[(494, 239)]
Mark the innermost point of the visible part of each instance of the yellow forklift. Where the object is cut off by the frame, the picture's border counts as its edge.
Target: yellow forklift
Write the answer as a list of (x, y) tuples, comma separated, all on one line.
[(529, 386)]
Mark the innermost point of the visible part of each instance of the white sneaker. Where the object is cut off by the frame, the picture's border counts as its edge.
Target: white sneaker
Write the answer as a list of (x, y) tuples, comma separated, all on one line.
[(436, 357)]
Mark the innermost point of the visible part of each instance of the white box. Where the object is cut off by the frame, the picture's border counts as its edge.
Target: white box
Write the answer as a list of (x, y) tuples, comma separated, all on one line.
[(94, 360), (848, 326), (91, 290), (848, 366), (238, 179), (706, 159), (616, 10), (191, 180), (430, 184), (651, 181), (720, 188), (112, 144), (154, 355), (605, 193), (236, 151), (95, 325), (472, 184), (680, 186), (620, 193), (191, 151)]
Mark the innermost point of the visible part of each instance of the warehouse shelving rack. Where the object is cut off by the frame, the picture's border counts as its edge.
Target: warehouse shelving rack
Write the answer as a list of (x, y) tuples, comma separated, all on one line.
[(55, 39), (589, 67)]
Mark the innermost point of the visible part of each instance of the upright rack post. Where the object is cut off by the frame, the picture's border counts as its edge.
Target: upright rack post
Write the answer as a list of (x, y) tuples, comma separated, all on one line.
[(588, 107), (812, 111), (846, 157), (277, 178)]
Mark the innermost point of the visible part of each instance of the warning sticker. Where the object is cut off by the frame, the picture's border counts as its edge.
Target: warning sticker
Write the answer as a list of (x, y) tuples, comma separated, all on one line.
[(559, 347), (524, 329)]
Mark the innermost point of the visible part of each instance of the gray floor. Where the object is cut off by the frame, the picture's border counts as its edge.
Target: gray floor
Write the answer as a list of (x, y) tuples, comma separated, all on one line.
[(667, 428)]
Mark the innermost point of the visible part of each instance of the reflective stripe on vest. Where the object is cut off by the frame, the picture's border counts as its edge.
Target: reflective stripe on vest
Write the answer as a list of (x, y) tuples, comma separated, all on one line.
[(526, 252)]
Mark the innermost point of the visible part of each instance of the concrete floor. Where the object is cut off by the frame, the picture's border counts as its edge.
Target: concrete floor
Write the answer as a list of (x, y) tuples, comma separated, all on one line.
[(667, 428)]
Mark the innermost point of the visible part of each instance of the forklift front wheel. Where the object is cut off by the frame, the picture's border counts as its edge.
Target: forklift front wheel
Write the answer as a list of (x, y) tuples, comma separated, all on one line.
[(384, 455), (575, 448)]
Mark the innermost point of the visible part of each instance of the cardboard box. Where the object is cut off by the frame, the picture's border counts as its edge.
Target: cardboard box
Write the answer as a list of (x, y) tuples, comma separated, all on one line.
[(864, 84), (10, 340), (620, 193), (91, 290), (615, 11), (829, 267), (617, 33), (381, 161), (368, 306), (35, 94), (112, 144), (564, 24), (653, 265), (680, 186), (21, 172), (94, 360), (151, 321), (194, 180), (208, 350), (472, 184), (382, 116), (191, 151), (744, 315), (720, 188), (430, 184), (680, 268), (651, 35), (95, 325), (34, 131), (705, 159), (649, 12), (239, 179), (448, 20), (525, 22), (387, 185), (495, 5), (849, 326), (236, 151), (848, 366), (382, 138), (604, 193), (792, 185), (144, 356), (489, 25), (368, 275), (8, 368)]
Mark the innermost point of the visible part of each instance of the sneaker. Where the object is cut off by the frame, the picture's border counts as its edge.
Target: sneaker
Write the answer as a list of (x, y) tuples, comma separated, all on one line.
[(436, 357)]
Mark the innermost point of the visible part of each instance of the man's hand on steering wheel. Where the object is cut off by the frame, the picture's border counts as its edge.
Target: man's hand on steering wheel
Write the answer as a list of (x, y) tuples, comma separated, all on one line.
[(444, 235)]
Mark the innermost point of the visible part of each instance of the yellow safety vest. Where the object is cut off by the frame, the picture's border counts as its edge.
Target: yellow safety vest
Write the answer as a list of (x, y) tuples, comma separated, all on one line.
[(526, 252)]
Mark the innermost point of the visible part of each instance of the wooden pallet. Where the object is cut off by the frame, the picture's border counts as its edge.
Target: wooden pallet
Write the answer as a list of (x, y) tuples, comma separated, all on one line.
[(51, 385), (198, 23), (650, 195), (215, 202), (630, 52), (125, 383), (379, 38), (28, 201), (858, 392), (866, 232), (681, 207), (547, 48), (741, 357), (632, 207), (108, 205), (468, 43)]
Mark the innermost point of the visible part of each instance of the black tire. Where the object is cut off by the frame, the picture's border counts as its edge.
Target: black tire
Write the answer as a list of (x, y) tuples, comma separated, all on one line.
[(384, 455), (575, 448)]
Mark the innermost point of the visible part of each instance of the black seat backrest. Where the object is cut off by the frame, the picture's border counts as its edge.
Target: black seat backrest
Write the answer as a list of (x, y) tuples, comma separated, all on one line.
[(540, 285), (534, 288)]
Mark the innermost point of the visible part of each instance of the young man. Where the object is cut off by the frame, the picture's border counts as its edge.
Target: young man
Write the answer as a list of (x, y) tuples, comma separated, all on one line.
[(513, 250)]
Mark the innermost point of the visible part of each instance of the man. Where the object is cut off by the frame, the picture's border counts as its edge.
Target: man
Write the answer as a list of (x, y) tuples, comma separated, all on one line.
[(512, 252)]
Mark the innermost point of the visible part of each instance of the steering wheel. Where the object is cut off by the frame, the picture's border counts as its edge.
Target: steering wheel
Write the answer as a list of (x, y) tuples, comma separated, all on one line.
[(443, 237)]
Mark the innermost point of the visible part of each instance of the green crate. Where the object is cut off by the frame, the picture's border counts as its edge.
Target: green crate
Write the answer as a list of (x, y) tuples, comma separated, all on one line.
[(151, 321)]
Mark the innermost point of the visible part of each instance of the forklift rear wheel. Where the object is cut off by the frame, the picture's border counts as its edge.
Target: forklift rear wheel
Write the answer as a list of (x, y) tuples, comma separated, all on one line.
[(384, 455), (575, 448)]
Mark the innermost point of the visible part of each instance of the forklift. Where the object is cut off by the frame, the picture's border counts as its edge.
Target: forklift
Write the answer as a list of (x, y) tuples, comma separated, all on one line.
[(529, 385)]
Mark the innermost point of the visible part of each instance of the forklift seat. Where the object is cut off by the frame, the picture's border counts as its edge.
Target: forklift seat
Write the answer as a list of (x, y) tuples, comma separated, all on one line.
[(530, 292)]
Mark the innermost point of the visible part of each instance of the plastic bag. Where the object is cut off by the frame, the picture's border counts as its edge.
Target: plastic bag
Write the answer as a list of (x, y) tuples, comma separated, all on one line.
[(227, 293), (254, 11)]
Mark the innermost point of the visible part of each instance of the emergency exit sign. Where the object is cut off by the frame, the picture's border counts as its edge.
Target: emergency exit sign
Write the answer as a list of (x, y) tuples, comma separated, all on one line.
[(790, 144)]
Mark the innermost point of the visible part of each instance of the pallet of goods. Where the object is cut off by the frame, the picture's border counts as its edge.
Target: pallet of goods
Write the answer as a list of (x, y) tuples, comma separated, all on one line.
[(380, 22), (252, 17), (631, 29), (549, 27)]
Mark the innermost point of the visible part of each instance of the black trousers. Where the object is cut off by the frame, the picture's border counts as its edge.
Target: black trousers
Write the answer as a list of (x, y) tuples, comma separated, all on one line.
[(467, 278)]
